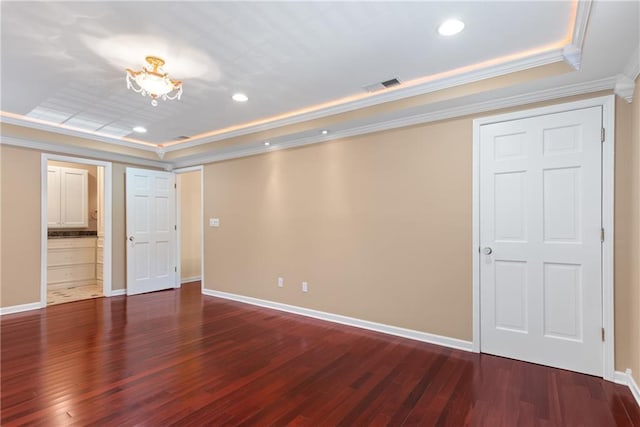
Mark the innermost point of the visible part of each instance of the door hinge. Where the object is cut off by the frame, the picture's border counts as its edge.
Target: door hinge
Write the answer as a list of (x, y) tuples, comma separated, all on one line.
[(602, 234), (602, 135), (602, 334), (176, 270), (175, 227), (176, 185)]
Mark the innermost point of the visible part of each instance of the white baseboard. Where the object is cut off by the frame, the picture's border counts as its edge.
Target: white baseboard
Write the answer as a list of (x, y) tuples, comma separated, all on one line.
[(625, 378), (345, 320), (189, 279), (118, 292), (20, 308)]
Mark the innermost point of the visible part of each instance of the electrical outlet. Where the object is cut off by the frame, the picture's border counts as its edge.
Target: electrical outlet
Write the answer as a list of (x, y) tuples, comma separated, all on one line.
[(214, 222), (280, 282), (305, 287)]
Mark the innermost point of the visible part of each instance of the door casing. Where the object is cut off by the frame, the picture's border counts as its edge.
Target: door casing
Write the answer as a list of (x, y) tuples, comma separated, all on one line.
[(107, 212), (200, 169), (608, 173)]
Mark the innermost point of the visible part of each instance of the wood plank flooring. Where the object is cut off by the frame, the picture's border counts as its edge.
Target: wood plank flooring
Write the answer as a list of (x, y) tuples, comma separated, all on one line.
[(180, 358)]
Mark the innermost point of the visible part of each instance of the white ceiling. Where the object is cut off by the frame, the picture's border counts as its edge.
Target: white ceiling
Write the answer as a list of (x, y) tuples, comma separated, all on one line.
[(63, 62)]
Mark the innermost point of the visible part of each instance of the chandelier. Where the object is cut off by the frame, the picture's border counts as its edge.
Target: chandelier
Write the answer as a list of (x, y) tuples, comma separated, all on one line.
[(153, 81)]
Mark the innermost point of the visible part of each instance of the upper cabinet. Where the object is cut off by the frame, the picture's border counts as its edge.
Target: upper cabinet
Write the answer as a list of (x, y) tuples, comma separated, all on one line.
[(68, 193)]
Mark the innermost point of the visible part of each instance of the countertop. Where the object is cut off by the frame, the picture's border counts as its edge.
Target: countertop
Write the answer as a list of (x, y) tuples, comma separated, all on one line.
[(70, 234)]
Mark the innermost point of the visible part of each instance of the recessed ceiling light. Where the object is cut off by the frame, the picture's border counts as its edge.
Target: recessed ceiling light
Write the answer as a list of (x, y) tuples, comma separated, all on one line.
[(240, 97), (324, 132), (450, 27), (267, 143), (139, 129)]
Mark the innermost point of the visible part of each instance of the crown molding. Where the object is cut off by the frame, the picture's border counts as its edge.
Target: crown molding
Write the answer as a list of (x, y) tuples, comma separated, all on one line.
[(71, 132), (580, 26), (572, 56), (480, 107), (624, 87), (82, 151), (533, 61), (572, 53)]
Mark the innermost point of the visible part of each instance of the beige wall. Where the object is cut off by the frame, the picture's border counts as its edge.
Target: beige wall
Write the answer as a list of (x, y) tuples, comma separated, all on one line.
[(20, 205), (627, 247), (350, 218), (380, 227), (93, 189), (190, 227), (20, 253)]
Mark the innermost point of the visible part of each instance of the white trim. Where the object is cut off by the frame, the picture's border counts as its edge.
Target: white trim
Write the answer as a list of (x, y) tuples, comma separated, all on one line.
[(215, 156), (475, 238), (608, 170), (632, 69), (580, 26), (624, 87), (626, 378), (118, 292), (468, 109), (81, 151), (107, 212), (573, 56), (179, 281), (401, 92), (189, 279), (608, 193), (74, 132), (345, 320), (19, 308)]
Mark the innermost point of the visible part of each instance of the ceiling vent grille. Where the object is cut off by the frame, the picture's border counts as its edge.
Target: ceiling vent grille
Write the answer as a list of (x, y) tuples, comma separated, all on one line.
[(376, 87), (181, 138)]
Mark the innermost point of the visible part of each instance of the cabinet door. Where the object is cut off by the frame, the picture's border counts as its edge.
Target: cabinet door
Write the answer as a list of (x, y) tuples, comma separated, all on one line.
[(53, 197), (74, 197)]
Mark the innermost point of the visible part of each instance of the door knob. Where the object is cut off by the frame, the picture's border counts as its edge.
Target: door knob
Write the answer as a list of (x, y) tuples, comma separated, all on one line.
[(131, 238), (487, 250)]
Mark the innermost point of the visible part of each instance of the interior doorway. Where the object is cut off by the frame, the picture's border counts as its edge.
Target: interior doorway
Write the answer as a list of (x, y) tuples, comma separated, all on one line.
[(189, 182), (75, 229), (542, 251)]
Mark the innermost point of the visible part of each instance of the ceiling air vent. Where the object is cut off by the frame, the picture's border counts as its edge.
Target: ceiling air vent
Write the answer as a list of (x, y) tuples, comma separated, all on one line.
[(376, 87), (181, 138)]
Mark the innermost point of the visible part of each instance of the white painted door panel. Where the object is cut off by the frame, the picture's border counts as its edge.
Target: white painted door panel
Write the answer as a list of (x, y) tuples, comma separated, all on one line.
[(151, 244), (540, 213)]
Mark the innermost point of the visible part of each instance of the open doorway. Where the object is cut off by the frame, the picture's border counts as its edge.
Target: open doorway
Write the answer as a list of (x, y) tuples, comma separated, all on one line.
[(189, 182), (76, 229)]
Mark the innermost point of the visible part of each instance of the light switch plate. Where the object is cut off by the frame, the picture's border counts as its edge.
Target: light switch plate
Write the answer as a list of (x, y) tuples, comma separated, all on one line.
[(214, 222)]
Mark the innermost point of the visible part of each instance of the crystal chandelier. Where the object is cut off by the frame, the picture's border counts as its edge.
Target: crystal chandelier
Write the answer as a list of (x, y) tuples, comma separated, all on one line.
[(153, 81)]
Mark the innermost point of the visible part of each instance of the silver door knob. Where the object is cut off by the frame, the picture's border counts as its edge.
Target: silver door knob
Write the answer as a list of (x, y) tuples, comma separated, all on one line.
[(487, 250), (131, 238)]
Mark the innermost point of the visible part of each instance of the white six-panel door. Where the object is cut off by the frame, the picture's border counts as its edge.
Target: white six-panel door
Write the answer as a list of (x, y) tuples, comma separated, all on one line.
[(151, 235), (540, 225)]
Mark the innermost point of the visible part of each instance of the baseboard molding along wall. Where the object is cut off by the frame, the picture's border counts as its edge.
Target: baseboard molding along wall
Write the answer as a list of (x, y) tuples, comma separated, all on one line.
[(189, 279), (625, 378), (345, 320), (19, 308), (36, 305)]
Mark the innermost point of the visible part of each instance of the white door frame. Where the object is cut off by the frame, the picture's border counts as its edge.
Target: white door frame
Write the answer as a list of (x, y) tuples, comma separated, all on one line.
[(608, 173), (199, 168), (107, 211)]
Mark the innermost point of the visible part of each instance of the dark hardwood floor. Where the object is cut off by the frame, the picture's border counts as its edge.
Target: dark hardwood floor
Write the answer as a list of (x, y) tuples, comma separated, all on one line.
[(179, 358)]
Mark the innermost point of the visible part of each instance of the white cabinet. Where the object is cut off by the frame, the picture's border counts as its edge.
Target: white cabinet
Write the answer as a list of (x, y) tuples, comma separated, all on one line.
[(68, 197), (71, 262)]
